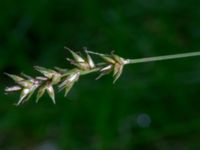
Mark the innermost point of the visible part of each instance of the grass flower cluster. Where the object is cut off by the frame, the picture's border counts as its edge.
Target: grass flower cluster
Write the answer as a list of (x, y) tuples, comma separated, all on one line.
[(65, 79)]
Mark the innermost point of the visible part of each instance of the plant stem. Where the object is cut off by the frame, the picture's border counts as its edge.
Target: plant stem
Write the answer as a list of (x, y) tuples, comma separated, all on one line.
[(159, 58)]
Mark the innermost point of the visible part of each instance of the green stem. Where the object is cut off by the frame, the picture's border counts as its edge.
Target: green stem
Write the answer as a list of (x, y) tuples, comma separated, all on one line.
[(159, 58)]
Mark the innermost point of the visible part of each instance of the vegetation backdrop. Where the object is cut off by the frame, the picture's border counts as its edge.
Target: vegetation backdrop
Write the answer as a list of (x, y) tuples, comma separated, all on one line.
[(153, 106)]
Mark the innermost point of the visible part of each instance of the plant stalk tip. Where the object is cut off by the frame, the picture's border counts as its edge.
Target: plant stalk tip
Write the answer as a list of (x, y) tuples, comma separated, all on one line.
[(159, 58)]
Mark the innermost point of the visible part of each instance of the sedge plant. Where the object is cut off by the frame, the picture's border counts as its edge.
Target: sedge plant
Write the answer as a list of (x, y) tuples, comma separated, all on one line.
[(65, 79)]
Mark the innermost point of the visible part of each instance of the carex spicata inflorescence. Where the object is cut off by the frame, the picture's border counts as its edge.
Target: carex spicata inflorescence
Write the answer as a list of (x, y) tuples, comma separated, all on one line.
[(63, 78), (66, 78)]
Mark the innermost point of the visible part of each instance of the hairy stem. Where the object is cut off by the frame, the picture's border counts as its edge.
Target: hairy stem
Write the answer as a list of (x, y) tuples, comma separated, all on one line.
[(159, 58)]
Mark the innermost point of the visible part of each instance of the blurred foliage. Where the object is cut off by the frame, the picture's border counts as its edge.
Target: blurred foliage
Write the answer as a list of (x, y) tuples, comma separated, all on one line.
[(153, 106)]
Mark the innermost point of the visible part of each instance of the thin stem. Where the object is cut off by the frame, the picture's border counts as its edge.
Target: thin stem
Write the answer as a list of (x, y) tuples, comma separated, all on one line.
[(159, 58)]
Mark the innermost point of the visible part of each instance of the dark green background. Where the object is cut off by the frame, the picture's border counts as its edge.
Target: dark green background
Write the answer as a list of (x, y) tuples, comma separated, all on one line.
[(154, 106)]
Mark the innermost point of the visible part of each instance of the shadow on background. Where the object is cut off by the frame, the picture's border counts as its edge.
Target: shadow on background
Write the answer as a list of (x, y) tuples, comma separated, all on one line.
[(153, 106)]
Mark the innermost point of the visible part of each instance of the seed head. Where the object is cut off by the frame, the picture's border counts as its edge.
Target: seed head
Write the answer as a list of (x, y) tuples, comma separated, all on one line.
[(64, 78), (114, 63), (80, 62), (27, 86)]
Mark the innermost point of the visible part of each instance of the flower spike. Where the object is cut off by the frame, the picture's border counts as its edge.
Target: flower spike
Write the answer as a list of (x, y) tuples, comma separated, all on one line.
[(66, 78), (80, 62), (114, 63)]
